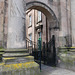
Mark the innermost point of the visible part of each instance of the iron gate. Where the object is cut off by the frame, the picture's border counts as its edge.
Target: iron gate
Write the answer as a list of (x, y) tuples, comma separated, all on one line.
[(49, 52)]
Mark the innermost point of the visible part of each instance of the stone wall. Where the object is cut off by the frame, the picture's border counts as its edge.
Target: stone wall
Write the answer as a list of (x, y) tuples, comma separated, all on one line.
[(16, 24), (28, 68), (67, 59), (3, 22), (57, 7), (62, 11), (72, 21)]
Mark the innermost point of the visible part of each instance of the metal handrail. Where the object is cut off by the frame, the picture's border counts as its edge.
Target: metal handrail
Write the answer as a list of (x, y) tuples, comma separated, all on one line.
[(30, 40), (32, 47)]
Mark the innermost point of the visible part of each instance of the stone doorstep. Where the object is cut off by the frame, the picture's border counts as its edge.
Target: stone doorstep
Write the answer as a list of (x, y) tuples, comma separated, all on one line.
[(15, 53), (18, 59)]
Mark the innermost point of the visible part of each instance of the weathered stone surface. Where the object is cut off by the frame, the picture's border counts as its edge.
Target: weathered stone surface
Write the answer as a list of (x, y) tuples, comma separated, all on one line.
[(16, 36), (67, 60), (16, 18), (29, 68), (15, 53), (15, 12), (72, 21), (14, 60)]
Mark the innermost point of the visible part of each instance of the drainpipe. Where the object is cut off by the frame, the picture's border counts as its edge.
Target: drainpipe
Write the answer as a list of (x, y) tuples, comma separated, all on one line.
[(46, 31), (34, 25)]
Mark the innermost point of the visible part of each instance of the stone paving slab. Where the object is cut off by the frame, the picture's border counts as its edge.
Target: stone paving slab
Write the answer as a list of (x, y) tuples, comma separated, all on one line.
[(47, 70)]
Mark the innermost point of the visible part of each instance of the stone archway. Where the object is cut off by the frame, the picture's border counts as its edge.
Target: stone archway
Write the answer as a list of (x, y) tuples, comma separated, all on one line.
[(52, 20), (16, 18), (42, 7), (16, 41), (16, 22)]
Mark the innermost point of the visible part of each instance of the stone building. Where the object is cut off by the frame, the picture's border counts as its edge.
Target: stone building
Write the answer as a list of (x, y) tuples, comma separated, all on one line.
[(60, 18), (58, 13), (36, 26)]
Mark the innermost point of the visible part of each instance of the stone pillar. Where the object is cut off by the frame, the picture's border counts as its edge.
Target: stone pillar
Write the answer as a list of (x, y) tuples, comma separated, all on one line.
[(73, 21), (16, 24), (65, 31), (63, 10)]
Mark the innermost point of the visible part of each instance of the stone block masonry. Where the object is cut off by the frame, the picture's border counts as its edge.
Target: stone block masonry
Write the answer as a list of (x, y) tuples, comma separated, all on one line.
[(12, 20), (16, 25), (29, 68), (3, 22), (67, 59)]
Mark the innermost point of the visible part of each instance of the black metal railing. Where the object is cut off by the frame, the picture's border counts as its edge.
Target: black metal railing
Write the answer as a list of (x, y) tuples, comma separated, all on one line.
[(34, 50), (31, 46), (49, 52)]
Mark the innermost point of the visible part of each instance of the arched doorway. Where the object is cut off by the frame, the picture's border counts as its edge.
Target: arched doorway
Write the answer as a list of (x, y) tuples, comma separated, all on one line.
[(51, 27), (16, 22), (51, 18)]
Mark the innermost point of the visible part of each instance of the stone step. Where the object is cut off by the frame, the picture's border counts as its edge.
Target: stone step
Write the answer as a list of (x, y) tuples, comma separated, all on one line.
[(13, 60), (15, 50), (30, 58), (15, 54)]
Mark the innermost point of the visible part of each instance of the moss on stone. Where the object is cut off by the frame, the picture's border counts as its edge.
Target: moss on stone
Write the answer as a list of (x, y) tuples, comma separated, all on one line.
[(1, 64), (72, 47), (8, 58), (1, 53), (2, 49), (73, 57), (67, 58), (67, 48), (9, 67), (29, 57)]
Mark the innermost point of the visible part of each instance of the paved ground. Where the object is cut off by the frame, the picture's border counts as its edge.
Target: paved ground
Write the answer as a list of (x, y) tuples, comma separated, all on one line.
[(46, 70)]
